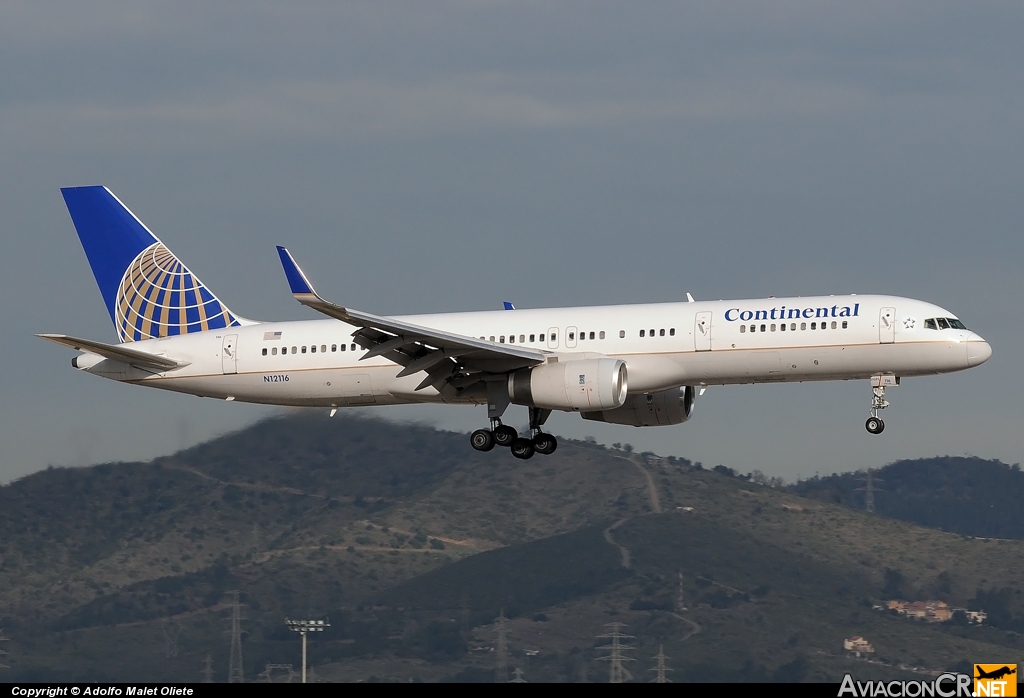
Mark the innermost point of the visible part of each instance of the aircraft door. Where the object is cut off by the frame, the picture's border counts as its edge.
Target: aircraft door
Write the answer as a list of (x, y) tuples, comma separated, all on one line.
[(702, 331), (570, 337), (552, 338), (887, 325), (229, 354)]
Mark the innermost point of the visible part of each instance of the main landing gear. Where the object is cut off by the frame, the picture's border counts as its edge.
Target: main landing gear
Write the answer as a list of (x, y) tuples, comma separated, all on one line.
[(875, 425), (522, 447)]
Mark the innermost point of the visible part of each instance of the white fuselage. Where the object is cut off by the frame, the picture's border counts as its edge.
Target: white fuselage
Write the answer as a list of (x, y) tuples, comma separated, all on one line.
[(701, 343)]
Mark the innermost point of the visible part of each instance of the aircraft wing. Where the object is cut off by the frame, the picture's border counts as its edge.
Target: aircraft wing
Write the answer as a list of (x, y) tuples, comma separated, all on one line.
[(116, 352), (414, 347)]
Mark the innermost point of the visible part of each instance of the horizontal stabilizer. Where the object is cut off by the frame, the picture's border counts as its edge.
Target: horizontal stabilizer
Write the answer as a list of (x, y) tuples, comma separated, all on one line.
[(114, 352)]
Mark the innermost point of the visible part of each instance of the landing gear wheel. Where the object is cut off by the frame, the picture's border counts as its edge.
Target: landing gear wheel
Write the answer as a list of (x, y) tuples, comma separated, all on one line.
[(545, 444), (482, 439), (504, 435), (522, 448), (874, 425)]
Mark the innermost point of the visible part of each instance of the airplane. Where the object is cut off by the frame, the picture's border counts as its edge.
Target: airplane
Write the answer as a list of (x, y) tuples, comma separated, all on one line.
[(995, 673), (636, 365)]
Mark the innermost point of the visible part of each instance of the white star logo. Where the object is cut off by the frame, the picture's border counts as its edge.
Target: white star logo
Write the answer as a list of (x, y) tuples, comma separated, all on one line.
[(909, 323)]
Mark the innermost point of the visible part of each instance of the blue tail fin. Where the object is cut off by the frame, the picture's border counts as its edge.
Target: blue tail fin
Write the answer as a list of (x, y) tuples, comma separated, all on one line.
[(147, 290)]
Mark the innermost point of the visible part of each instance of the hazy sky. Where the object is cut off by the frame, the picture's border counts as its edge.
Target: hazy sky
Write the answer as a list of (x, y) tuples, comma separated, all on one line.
[(432, 156)]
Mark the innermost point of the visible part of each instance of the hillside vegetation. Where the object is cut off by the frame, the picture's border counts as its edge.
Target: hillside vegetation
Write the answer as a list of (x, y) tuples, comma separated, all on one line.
[(965, 495), (413, 544)]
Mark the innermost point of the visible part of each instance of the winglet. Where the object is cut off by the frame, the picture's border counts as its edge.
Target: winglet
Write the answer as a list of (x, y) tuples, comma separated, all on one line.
[(303, 290), (508, 305), (297, 281)]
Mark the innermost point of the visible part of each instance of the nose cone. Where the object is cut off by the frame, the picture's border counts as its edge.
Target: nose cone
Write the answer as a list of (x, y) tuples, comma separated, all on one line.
[(978, 350)]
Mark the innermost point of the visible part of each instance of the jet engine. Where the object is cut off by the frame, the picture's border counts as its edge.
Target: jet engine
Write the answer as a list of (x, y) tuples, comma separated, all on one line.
[(582, 384), (673, 406)]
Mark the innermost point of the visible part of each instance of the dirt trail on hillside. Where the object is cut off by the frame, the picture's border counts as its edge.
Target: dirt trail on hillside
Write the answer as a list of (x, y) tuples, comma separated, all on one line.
[(652, 489), (694, 628), (623, 550)]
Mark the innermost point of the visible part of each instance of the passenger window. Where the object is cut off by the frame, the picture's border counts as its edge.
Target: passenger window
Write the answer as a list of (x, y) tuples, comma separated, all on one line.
[(502, 339), (782, 327), (313, 348), (295, 350), (323, 348), (274, 351), (303, 348), (343, 347), (743, 328), (753, 328), (814, 325), (601, 336), (572, 336), (353, 347), (641, 333), (592, 335), (845, 323), (833, 324), (943, 325), (661, 332), (652, 332), (773, 327), (334, 348), (672, 332), (622, 334), (492, 337), (803, 325), (264, 351), (533, 338), (762, 328)]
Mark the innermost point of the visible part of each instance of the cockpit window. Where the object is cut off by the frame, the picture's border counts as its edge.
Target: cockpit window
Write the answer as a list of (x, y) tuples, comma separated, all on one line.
[(943, 325), (956, 324), (929, 324)]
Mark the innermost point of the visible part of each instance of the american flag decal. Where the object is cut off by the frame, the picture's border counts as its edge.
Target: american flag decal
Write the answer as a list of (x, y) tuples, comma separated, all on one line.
[(267, 336)]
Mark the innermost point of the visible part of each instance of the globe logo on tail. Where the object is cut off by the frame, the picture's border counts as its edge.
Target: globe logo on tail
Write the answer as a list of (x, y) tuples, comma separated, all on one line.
[(160, 297)]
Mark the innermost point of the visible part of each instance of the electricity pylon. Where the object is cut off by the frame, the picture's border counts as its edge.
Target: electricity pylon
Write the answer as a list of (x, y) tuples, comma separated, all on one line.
[(617, 672), (208, 669), (2, 652), (235, 673), (661, 668), (869, 489), (501, 671), (172, 630)]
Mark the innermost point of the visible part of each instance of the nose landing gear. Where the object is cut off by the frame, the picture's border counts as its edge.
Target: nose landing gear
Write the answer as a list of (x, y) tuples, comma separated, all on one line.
[(875, 425)]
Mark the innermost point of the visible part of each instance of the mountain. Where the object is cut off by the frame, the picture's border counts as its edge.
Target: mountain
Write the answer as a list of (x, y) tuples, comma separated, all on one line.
[(965, 495), (413, 544)]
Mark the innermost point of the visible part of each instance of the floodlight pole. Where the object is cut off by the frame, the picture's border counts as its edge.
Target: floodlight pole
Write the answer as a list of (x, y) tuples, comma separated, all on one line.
[(302, 627)]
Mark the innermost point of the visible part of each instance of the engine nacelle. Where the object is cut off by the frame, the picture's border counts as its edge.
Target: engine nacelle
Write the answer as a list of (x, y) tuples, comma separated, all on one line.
[(663, 408), (582, 384)]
